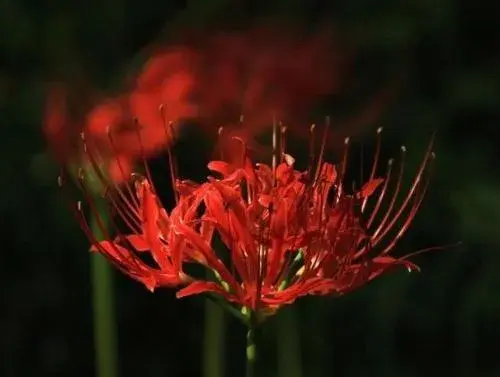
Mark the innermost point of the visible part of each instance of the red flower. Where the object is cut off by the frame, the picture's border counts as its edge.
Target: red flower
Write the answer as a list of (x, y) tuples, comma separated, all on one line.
[(120, 131), (291, 233), (269, 234), (148, 252), (262, 73), (163, 94), (266, 72)]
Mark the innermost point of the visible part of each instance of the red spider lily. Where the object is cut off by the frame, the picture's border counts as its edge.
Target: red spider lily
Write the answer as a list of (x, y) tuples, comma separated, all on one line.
[(148, 224), (152, 232), (291, 233), (286, 233)]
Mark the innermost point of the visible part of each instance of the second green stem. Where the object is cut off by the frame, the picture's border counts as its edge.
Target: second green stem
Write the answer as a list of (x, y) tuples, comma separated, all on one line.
[(250, 352)]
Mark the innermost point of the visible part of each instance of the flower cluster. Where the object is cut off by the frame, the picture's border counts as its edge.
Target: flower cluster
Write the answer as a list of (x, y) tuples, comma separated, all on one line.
[(266, 234)]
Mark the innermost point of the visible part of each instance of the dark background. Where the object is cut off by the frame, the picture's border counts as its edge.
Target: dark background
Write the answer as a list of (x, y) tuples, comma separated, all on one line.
[(443, 321)]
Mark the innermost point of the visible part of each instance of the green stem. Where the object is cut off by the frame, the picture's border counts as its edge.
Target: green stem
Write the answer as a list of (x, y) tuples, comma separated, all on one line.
[(213, 344), (225, 306), (103, 310), (289, 358), (251, 351)]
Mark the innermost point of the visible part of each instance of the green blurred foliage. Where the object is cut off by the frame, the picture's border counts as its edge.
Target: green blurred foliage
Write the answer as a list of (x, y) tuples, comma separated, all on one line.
[(443, 321)]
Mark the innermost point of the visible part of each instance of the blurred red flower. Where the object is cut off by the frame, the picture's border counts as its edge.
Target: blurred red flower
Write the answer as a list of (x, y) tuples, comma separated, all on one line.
[(119, 131), (265, 73)]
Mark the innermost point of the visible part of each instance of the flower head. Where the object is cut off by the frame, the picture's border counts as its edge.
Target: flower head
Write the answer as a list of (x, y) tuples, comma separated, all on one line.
[(289, 233), (268, 234)]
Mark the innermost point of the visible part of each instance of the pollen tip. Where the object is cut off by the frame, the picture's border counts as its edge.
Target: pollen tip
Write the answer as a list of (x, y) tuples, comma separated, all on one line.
[(390, 162), (288, 159), (283, 129), (161, 107), (311, 129), (379, 130), (433, 155), (403, 148), (237, 138), (108, 129), (59, 181), (79, 205), (347, 140), (242, 117), (220, 130)]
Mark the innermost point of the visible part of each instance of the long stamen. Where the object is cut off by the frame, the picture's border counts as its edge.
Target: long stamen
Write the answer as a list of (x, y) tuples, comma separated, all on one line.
[(275, 148), (394, 195), (78, 212), (134, 200), (374, 165), (413, 189), (419, 197), (283, 142), (124, 210), (322, 150), (89, 198), (243, 159), (116, 194), (143, 155), (311, 149), (84, 223), (343, 168), (168, 129), (381, 196)]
